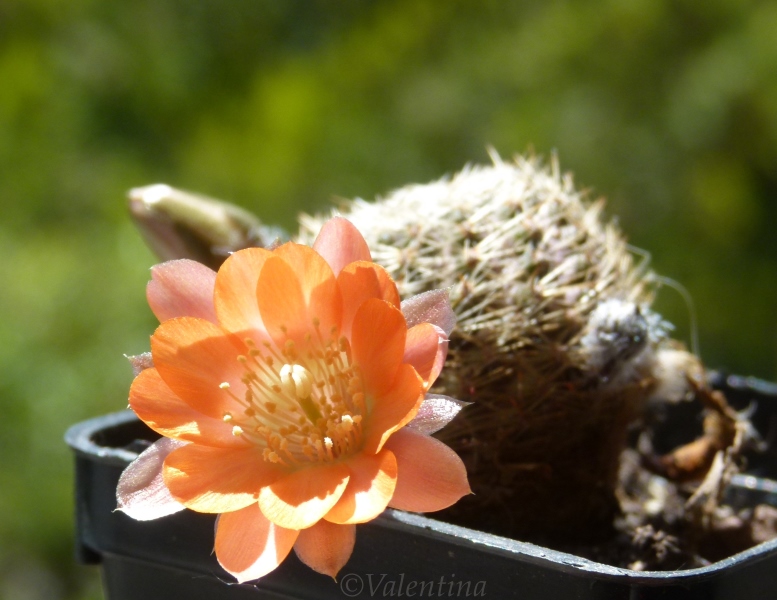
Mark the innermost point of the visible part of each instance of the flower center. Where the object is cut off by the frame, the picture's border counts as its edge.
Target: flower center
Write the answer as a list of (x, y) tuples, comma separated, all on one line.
[(300, 405)]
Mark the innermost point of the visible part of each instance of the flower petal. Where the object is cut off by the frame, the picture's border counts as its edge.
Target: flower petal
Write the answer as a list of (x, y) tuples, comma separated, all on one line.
[(436, 412), (141, 492), (249, 546), (372, 482), (432, 307), (360, 281), (394, 410), (159, 408), (302, 498), (215, 480), (235, 293), (194, 357), (426, 347), (431, 475), (378, 344), (281, 297), (326, 547), (318, 284), (180, 288), (340, 243)]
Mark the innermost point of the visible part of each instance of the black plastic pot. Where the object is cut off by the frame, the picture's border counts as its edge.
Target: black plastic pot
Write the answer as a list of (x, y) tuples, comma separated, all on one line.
[(396, 555)]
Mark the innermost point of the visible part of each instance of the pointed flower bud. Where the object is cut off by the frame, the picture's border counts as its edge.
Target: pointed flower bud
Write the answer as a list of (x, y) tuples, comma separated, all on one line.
[(179, 224)]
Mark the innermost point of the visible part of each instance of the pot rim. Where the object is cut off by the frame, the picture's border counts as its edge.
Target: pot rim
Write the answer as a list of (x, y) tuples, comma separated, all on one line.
[(80, 437)]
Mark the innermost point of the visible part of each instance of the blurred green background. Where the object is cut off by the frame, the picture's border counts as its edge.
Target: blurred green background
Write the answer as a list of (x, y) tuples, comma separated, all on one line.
[(669, 109)]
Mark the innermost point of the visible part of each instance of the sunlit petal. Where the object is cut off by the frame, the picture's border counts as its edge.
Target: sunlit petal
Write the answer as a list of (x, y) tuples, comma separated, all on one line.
[(378, 343), (214, 480), (361, 281), (318, 284), (235, 291), (426, 347), (249, 546), (372, 482), (282, 303), (299, 500), (156, 404), (326, 547), (395, 409), (194, 357), (431, 476)]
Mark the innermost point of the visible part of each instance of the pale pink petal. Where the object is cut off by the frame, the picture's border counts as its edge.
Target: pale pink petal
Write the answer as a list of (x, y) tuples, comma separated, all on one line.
[(340, 243), (326, 547), (181, 288), (426, 347), (248, 545), (140, 362), (432, 307), (431, 475), (302, 498), (435, 413), (141, 493), (372, 483)]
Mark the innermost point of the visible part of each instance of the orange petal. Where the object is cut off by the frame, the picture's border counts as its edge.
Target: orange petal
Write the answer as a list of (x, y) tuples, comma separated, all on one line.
[(215, 480), (302, 498), (426, 348), (249, 546), (180, 288), (159, 408), (235, 293), (281, 302), (340, 243), (194, 357), (378, 344), (395, 409), (326, 547), (361, 281), (318, 284), (431, 475), (372, 482)]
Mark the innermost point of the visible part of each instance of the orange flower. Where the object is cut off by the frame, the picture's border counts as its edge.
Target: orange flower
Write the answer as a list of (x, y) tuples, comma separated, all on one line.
[(282, 386)]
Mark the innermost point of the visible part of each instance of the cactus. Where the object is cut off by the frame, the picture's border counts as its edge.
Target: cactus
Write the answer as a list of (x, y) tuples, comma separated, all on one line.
[(556, 345)]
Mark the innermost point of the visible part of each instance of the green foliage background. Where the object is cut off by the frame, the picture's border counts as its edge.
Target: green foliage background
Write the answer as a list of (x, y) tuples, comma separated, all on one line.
[(667, 108)]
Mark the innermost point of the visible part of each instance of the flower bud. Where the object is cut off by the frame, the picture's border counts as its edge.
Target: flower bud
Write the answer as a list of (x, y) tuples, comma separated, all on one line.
[(178, 224)]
